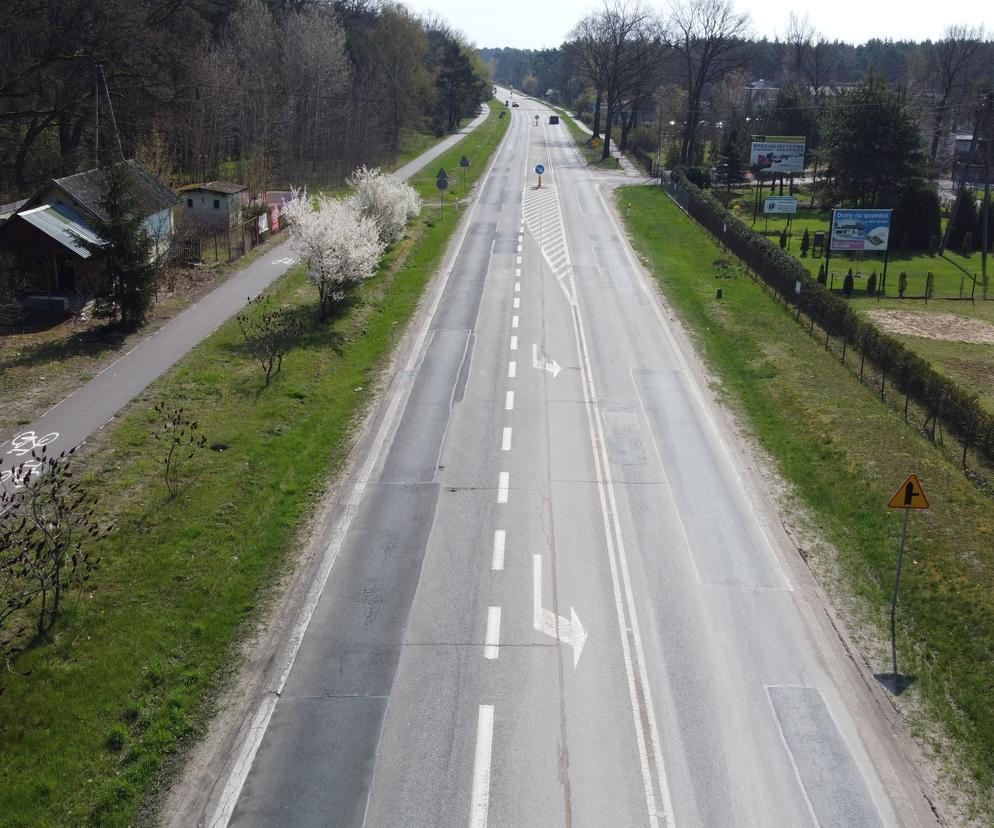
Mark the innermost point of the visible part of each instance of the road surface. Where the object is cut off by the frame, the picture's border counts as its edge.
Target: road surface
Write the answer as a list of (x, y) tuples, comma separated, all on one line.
[(552, 598), (71, 421)]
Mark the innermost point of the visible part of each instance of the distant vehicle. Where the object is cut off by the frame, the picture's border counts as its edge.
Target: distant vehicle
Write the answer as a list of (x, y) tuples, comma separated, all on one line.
[(553, 119), (514, 105)]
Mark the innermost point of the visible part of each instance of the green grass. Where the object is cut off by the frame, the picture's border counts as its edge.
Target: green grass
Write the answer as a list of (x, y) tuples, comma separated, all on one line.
[(844, 454), (592, 155), (969, 364), (137, 659)]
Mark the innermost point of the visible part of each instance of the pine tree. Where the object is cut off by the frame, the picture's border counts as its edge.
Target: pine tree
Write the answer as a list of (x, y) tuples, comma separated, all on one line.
[(125, 250)]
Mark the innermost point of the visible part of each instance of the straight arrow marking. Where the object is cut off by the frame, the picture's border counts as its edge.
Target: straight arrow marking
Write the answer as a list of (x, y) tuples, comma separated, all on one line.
[(568, 630)]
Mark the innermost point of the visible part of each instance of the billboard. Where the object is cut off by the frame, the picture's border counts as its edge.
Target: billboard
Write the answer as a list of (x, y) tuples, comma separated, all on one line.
[(777, 153), (860, 229), (780, 204)]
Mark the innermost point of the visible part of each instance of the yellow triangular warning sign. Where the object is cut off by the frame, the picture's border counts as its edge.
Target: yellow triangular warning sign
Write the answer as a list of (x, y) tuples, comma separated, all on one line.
[(910, 495)]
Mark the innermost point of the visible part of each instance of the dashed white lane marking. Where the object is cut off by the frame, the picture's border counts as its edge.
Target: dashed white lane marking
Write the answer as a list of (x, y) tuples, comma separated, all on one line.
[(503, 482), (505, 443), (517, 302), (509, 401), (517, 287), (514, 321), (514, 343), (497, 558), (512, 369), (517, 273), (491, 646), (480, 798), (519, 260), (519, 248)]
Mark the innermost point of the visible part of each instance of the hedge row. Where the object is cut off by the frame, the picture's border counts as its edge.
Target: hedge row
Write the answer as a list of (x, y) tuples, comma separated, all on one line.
[(959, 410)]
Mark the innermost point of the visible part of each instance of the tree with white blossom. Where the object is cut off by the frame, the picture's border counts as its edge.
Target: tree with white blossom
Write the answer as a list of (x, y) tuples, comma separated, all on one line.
[(340, 246), (388, 200)]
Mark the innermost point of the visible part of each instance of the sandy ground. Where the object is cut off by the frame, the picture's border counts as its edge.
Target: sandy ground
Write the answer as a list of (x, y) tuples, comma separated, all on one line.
[(945, 326)]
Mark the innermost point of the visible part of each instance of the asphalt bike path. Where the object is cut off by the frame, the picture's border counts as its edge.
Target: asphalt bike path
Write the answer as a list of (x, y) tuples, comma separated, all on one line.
[(70, 422)]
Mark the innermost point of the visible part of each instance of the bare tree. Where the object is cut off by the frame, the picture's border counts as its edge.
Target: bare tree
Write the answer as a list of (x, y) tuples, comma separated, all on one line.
[(588, 48), (709, 38), (951, 62)]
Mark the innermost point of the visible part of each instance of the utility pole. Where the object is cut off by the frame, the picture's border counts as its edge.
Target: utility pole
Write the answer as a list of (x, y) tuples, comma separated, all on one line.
[(987, 189), (96, 127)]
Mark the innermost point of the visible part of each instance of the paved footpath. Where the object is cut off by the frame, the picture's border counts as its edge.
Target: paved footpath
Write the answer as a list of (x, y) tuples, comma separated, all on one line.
[(71, 421)]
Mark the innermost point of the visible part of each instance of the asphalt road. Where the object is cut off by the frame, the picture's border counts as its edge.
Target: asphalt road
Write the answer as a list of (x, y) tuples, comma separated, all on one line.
[(89, 408), (558, 600)]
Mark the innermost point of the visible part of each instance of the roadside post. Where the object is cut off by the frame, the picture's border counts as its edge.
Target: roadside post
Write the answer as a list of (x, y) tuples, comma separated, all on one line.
[(909, 496), (463, 165), (442, 182), (539, 169)]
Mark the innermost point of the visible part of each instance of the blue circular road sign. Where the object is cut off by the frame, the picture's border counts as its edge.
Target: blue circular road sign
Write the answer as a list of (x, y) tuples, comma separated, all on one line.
[(539, 169)]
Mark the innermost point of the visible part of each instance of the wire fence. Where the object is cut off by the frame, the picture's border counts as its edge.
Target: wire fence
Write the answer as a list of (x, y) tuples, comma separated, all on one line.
[(937, 407)]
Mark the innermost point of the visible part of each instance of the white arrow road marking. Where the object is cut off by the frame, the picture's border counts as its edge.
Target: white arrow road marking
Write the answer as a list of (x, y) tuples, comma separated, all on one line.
[(552, 367), (569, 631)]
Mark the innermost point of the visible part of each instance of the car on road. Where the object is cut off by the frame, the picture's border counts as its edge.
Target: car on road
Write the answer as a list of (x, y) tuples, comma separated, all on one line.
[(514, 105), (553, 119)]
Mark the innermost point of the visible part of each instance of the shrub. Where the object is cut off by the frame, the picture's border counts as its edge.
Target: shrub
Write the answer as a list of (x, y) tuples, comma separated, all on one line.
[(805, 243), (871, 284), (386, 199), (902, 284), (966, 248), (822, 275), (847, 283)]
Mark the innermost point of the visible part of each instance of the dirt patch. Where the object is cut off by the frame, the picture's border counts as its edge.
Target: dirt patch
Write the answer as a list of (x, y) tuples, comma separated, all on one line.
[(946, 326)]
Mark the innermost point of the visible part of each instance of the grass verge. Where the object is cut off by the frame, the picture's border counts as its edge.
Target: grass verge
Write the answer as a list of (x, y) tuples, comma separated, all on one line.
[(844, 454), (592, 155), (134, 663)]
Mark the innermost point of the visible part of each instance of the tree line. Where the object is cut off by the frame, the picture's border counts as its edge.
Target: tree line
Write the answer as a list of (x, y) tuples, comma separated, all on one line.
[(266, 91), (693, 70)]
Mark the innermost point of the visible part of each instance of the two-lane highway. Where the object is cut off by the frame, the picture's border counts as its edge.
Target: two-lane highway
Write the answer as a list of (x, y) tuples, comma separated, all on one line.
[(557, 602)]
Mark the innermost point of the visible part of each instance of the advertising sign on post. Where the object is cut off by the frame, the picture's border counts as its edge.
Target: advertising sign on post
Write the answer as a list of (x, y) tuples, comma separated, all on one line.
[(777, 153), (866, 230), (780, 204)]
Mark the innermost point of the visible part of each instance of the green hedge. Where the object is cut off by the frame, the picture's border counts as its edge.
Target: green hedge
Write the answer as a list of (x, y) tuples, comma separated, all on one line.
[(959, 410)]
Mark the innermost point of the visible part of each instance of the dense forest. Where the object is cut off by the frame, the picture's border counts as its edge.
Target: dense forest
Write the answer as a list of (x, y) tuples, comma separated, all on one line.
[(266, 91)]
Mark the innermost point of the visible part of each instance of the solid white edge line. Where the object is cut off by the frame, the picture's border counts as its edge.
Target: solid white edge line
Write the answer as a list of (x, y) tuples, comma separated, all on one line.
[(505, 442), (512, 369), (623, 600), (480, 797), (503, 484), (497, 559), (491, 647), (509, 401), (260, 722)]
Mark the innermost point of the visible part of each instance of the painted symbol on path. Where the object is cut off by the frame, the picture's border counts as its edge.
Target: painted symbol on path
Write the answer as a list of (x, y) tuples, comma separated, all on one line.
[(27, 441), (568, 630), (289, 260)]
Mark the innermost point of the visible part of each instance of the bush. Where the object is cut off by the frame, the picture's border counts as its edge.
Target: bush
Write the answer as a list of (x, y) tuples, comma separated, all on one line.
[(822, 275), (385, 199), (917, 215), (871, 284), (966, 248), (805, 243), (847, 283), (902, 284)]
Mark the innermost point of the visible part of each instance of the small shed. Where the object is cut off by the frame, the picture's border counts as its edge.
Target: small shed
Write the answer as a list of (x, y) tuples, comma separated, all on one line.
[(216, 204)]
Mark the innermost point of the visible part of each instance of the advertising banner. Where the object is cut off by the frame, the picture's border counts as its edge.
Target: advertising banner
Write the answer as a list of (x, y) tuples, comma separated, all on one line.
[(860, 230), (780, 204), (777, 153)]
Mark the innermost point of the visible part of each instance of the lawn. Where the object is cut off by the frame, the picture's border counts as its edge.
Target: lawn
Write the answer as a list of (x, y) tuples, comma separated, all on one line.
[(591, 154), (135, 663), (843, 455), (971, 363)]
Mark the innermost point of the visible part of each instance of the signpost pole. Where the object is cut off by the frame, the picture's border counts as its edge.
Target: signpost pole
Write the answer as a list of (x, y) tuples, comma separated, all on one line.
[(828, 243), (893, 605)]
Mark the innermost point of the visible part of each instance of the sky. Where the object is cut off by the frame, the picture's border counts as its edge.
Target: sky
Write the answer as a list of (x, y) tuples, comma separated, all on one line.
[(527, 24)]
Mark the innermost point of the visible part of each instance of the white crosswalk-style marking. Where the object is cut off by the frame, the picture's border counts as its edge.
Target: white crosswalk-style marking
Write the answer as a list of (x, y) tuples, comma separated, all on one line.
[(544, 219)]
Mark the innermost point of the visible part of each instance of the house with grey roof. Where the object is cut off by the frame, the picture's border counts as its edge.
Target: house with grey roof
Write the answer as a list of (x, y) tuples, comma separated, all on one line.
[(50, 235), (216, 205)]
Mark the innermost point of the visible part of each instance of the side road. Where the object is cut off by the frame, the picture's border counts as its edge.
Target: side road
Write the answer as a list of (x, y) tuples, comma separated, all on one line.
[(71, 421)]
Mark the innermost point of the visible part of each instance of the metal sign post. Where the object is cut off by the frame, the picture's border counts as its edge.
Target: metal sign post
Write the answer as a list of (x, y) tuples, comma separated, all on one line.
[(463, 165), (909, 496), (442, 182)]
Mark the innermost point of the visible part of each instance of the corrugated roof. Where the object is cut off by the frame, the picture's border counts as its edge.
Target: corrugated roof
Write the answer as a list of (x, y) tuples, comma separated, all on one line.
[(88, 189), (64, 225), (227, 187)]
